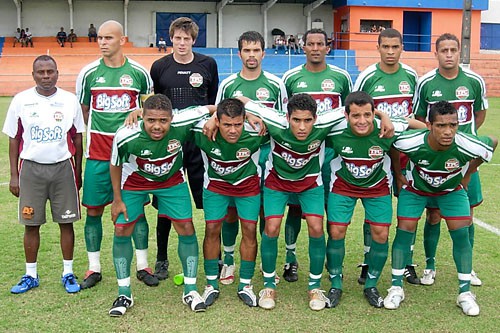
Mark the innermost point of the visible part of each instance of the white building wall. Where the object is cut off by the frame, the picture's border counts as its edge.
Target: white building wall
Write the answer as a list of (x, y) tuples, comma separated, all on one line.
[(492, 14)]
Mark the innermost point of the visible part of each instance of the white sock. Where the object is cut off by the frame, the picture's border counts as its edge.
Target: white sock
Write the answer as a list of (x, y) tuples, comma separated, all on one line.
[(31, 269), (142, 259), (67, 267), (94, 261)]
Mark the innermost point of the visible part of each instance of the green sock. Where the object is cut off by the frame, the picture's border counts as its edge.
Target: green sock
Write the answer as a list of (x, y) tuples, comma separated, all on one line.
[(229, 234), (211, 271), (367, 240), (335, 253), (141, 234), (377, 258), (412, 247), (292, 229), (471, 235), (317, 249), (462, 255), (93, 233), (122, 258), (188, 254), (431, 239), (400, 249), (268, 254), (246, 273)]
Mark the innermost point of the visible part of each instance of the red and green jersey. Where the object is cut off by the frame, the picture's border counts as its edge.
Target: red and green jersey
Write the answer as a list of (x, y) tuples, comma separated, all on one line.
[(267, 89), (391, 93), (294, 165), (329, 87), (361, 166), (431, 172), (149, 164), (111, 94), (231, 169), (467, 93)]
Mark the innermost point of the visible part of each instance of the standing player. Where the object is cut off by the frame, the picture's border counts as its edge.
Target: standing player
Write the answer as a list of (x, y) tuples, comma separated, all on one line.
[(329, 86), (439, 158), (187, 78), (39, 123), (147, 159), (392, 85), (108, 90), (466, 91), (259, 86)]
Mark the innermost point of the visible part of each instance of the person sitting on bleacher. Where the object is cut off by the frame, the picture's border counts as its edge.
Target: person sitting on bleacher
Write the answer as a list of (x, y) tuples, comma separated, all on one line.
[(92, 33), (17, 37), (61, 37), (72, 36), (28, 37), (162, 45)]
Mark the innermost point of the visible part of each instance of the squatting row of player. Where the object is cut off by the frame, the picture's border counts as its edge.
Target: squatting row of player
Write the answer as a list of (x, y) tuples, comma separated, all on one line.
[(305, 141)]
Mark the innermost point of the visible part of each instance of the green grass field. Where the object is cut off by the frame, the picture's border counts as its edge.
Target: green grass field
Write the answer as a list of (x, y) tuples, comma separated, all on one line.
[(49, 308)]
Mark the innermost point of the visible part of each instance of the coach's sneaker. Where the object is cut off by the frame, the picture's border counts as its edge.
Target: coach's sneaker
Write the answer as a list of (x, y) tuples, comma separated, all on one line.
[(91, 279), (248, 296), (210, 295), (26, 283), (394, 297), (161, 269), (475, 280), (194, 301), (227, 274), (334, 296), (363, 274), (70, 283), (411, 275), (373, 297), (146, 275), (290, 271), (317, 299), (267, 298), (467, 301), (428, 277), (120, 306)]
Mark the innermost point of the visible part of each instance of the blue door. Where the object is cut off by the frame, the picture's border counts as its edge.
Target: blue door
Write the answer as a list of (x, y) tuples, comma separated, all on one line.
[(417, 28), (163, 21)]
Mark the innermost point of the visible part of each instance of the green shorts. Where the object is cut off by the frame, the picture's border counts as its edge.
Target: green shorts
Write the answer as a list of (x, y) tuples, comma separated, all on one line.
[(453, 205), (215, 206), (474, 192), (378, 210), (97, 187), (174, 203), (311, 202)]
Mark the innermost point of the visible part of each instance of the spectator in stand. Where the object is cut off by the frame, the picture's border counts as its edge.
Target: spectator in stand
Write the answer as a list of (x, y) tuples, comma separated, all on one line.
[(28, 38), (292, 44), (92, 33), (61, 37), (72, 36), (162, 45), (17, 37), (280, 45)]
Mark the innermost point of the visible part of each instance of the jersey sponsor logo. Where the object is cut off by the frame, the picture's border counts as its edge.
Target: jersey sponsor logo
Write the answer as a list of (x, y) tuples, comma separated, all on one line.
[(114, 102), (462, 92), (262, 94), (68, 215), (362, 171), (146, 152), (158, 170), (295, 163), (379, 88), (437, 93), (375, 152), (327, 85), (100, 79), (216, 151), (395, 109), (223, 170), (237, 93), (243, 153), (302, 84), (423, 162), (126, 80), (313, 145), (196, 80), (404, 87), (347, 150), (58, 116), (46, 134), (452, 164), (173, 146), (434, 181)]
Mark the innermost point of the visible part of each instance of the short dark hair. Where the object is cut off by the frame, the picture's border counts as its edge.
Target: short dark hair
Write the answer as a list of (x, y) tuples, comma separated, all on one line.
[(158, 102), (359, 98), (447, 36), (231, 107), (44, 57), (185, 24), (302, 102), (439, 109), (315, 31), (251, 36), (390, 33)]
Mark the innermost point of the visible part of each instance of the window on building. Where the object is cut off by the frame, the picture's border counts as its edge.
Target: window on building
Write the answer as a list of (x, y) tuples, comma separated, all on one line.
[(374, 25)]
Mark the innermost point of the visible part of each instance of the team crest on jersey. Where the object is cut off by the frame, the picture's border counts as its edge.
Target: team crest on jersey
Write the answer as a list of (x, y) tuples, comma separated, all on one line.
[(173, 146), (375, 152), (452, 164), (404, 87), (313, 145), (243, 153), (327, 85), (196, 80), (126, 80), (262, 94), (462, 92), (58, 116)]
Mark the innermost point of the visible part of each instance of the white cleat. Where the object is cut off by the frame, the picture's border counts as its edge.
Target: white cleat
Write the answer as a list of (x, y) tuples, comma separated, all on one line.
[(475, 280), (428, 277), (227, 274), (467, 301), (394, 297)]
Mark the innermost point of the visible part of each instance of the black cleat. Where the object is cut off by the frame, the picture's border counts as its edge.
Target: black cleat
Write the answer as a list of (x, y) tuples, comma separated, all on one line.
[(290, 272), (146, 276), (363, 274), (91, 279), (411, 275), (373, 297), (334, 296), (161, 269), (120, 306)]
